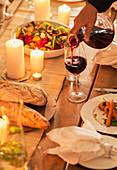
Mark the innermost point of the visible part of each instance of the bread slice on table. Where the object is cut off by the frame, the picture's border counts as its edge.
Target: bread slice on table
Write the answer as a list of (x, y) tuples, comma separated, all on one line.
[(29, 116), (29, 93)]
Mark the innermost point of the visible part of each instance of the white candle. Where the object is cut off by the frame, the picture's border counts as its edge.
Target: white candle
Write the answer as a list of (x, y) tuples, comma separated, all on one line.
[(42, 10), (37, 76), (64, 14), (3, 129), (15, 59), (36, 61)]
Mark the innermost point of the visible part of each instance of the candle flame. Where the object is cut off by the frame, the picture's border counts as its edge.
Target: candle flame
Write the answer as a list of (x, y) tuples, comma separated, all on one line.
[(37, 75), (4, 117), (21, 102), (65, 8)]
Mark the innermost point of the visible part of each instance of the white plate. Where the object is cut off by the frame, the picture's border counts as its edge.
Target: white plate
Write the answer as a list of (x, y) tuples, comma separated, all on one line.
[(47, 54), (91, 107), (101, 162)]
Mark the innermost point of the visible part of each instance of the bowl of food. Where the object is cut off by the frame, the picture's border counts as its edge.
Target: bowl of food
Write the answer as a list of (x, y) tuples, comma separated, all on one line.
[(48, 36)]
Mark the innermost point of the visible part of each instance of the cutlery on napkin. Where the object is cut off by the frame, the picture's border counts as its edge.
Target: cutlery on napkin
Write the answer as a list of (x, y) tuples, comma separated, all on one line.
[(80, 144), (107, 56)]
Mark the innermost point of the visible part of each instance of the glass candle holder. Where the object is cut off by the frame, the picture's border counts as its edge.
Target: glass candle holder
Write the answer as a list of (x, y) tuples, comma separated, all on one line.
[(13, 153)]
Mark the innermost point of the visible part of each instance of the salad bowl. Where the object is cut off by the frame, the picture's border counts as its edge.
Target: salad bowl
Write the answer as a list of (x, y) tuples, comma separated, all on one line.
[(49, 53)]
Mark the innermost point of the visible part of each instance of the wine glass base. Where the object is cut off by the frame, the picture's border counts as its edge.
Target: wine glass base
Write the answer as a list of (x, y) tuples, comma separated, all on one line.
[(76, 97)]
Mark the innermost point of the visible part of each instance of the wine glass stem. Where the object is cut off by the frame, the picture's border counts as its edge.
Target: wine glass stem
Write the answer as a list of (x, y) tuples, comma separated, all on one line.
[(76, 77)]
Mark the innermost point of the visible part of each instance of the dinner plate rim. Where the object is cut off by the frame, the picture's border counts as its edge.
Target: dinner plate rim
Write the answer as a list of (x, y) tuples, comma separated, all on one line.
[(86, 113), (96, 163), (47, 54)]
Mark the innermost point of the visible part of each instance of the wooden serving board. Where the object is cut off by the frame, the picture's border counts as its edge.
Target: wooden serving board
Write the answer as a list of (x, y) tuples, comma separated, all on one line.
[(33, 136)]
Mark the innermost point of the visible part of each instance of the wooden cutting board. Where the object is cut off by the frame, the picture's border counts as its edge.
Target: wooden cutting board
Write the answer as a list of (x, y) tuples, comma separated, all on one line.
[(33, 136)]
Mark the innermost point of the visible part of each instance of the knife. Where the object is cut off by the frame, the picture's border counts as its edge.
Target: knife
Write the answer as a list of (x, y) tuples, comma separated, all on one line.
[(111, 90)]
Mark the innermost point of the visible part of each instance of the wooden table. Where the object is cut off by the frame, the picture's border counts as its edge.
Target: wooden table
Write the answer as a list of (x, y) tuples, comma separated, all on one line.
[(67, 113)]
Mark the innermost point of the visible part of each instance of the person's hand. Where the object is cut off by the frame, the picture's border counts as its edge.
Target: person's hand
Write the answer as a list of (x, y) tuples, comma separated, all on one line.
[(87, 17)]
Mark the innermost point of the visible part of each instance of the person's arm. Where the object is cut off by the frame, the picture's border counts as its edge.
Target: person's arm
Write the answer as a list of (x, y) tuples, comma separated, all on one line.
[(88, 15), (87, 18), (101, 5)]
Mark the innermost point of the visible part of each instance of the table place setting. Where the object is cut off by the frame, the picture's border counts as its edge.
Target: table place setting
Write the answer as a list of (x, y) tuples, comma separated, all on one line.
[(93, 112), (83, 144)]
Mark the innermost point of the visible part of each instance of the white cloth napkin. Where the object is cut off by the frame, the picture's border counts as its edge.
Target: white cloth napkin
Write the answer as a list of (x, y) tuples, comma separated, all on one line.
[(78, 144), (107, 56)]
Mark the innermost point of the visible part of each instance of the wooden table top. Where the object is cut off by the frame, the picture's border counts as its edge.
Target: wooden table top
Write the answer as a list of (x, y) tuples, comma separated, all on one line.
[(67, 113)]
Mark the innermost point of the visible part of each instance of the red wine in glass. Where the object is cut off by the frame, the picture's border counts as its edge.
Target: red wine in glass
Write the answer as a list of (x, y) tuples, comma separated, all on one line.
[(99, 38), (75, 61), (75, 64)]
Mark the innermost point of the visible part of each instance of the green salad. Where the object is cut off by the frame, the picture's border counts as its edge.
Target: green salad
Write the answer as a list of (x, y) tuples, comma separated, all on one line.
[(43, 36)]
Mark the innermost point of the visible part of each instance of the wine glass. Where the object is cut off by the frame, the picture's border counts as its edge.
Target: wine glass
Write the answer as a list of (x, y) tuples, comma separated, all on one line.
[(7, 11), (13, 153), (75, 62)]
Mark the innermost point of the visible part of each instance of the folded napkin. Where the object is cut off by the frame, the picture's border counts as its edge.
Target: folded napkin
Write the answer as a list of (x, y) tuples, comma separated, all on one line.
[(107, 56), (80, 144)]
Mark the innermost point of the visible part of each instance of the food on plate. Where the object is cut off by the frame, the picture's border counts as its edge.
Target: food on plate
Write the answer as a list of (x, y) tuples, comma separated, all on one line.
[(108, 121), (42, 35), (110, 108), (102, 105), (34, 119), (29, 93), (29, 117), (106, 109)]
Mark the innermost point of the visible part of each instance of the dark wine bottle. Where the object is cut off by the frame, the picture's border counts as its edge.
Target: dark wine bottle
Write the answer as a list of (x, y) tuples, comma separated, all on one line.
[(99, 38)]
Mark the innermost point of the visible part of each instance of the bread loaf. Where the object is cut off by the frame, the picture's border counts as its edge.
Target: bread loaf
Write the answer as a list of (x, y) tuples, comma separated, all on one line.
[(29, 93), (29, 117)]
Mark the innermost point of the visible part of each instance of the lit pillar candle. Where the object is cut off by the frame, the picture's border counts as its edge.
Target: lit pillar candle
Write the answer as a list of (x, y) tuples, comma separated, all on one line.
[(64, 14), (42, 10), (3, 129), (36, 61), (15, 59)]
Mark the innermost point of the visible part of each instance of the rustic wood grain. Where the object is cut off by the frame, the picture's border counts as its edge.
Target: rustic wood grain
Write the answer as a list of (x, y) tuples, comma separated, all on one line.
[(65, 112)]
